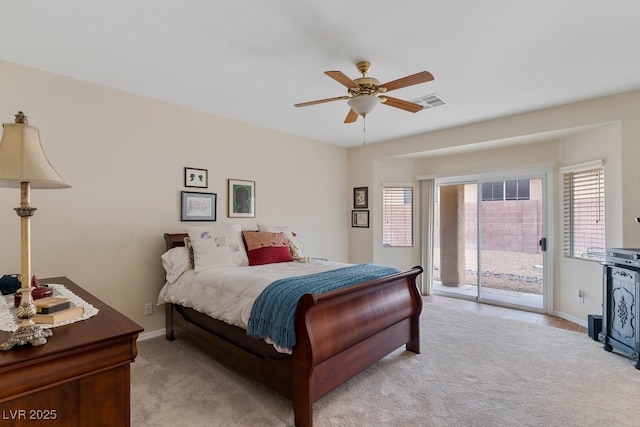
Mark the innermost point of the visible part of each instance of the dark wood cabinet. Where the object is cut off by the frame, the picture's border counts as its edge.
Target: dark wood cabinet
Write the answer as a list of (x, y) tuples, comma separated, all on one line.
[(621, 311), (80, 377)]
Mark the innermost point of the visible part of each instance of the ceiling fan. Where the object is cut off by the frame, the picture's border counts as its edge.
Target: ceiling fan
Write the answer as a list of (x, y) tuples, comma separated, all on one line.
[(363, 92)]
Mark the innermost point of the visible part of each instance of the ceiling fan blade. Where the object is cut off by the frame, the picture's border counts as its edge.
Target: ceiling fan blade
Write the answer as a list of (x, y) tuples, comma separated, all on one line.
[(341, 78), (401, 104), (352, 116), (321, 101), (414, 79)]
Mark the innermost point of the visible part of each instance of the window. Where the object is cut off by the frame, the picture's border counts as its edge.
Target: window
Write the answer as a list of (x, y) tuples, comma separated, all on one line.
[(516, 189), (583, 211), (397, 216)]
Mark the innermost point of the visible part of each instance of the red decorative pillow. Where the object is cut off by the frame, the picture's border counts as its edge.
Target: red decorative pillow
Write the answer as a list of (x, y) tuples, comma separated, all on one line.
[(269, 255), (266, 248)]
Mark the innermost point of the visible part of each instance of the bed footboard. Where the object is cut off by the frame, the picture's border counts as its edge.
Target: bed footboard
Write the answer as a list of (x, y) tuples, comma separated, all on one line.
[(342, 332)]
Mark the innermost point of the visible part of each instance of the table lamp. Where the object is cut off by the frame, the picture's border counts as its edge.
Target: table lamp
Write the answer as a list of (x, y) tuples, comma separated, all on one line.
[(24, 165)]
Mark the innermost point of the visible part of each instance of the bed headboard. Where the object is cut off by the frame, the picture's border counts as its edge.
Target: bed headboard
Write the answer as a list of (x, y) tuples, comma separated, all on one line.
[(174, 240)]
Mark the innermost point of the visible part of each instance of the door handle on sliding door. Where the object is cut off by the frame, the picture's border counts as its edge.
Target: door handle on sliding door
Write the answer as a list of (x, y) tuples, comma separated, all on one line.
[(543, 244)]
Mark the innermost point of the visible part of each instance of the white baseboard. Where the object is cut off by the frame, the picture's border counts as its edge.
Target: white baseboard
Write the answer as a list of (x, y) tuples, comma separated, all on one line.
[(572, 319), (153, 334)]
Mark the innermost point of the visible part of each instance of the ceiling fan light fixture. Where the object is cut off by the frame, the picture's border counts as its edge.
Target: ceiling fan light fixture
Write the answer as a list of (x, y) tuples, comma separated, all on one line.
[(363, 104)]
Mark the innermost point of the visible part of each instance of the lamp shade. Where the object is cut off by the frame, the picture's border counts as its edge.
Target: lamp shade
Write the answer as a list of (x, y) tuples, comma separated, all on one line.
[(363, 104), (22, 158)]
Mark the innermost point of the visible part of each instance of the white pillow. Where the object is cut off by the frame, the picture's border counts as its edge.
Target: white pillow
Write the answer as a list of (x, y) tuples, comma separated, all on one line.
[(175, 262), (217, 245), (296, 241)]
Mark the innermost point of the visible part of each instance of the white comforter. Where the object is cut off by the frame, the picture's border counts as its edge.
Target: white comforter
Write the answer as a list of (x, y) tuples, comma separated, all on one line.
[(228, 293)]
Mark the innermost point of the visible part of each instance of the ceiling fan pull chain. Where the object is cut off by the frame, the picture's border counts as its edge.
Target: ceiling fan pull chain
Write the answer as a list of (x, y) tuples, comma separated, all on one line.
[(364, 129)]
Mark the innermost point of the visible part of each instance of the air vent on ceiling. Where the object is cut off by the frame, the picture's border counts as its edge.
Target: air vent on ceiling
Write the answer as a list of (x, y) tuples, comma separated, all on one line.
[(430, 101)]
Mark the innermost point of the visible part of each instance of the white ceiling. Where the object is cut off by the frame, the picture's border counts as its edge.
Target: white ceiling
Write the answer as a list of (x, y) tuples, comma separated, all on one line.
[(251, 60)]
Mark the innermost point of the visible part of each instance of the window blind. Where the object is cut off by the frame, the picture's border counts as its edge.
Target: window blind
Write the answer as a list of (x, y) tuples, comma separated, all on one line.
[(397, 216), (584, 212)]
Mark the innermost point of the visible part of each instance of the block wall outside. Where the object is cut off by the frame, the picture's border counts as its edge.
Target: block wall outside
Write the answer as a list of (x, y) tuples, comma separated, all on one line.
[(510, 225)]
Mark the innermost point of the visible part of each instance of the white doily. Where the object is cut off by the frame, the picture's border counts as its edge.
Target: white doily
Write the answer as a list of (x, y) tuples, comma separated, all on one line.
[(9, 321)]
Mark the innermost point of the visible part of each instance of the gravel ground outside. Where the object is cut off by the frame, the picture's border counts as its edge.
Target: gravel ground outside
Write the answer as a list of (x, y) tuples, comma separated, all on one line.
[(512, 271)]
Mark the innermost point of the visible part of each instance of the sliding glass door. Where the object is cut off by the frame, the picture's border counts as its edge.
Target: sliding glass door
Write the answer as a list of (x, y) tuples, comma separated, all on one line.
[(489, 240)]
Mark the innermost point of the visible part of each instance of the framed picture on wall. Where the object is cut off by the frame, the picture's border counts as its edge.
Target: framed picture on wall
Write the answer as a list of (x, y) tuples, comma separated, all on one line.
[(360, 219), (194, 177), (198, 206), (361, 198), (242, 198)]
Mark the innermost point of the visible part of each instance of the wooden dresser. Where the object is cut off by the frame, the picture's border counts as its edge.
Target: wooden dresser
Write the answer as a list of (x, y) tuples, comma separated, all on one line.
[(80, 377)]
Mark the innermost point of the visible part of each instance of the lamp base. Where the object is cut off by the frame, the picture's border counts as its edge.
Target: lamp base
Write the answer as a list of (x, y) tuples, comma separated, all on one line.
[(29, 334)]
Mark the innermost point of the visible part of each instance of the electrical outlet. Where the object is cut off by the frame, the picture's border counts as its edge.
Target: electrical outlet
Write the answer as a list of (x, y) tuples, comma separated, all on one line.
[(148, 309), (580, 296)]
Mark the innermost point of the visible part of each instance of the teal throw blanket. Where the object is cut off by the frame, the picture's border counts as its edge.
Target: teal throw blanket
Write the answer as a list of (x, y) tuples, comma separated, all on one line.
[(273, 312)]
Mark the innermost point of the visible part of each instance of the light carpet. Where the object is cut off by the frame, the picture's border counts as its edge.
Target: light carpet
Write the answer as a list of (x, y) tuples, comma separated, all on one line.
[(474, 370)]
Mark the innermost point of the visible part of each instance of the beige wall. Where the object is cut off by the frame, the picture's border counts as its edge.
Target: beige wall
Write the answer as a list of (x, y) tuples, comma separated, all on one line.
[(602, 128), (124, 157)]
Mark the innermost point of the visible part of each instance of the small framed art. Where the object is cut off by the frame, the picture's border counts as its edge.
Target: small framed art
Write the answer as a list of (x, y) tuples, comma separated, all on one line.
[(361, 197), (242, 198), (198, 206), (194, 177), (360, 219)]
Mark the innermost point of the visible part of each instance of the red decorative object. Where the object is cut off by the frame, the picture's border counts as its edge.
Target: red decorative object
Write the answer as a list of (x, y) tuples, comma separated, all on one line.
[(39, 291)]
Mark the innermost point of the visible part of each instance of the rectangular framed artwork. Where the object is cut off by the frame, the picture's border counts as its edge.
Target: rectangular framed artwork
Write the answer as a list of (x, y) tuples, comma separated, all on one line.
[(194, 177), (361, 198), (198, 206), (242, 198), (360, 219)]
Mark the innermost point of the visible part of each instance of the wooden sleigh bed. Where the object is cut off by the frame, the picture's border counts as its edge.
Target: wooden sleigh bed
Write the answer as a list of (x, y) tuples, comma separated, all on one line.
[(338, 333)]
